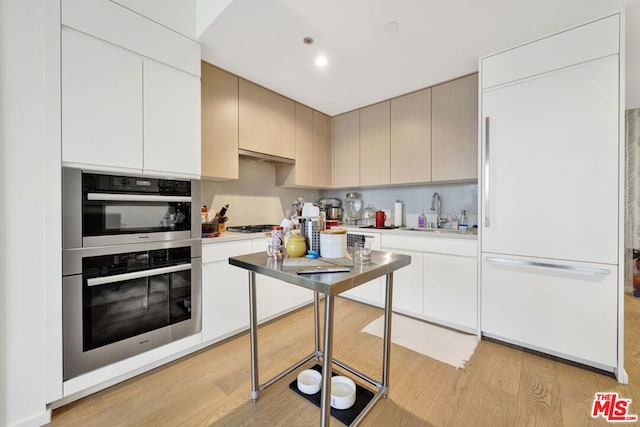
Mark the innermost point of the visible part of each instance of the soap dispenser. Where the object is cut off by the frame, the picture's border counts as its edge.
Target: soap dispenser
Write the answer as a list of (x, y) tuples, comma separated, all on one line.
[(422, 220), (463, 221)]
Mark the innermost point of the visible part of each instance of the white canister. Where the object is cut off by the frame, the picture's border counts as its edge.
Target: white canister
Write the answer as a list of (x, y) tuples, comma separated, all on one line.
[(333, 245)]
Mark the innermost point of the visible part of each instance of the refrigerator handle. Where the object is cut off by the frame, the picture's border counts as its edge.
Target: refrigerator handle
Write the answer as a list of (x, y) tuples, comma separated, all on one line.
[(487, 184), (589, 270)]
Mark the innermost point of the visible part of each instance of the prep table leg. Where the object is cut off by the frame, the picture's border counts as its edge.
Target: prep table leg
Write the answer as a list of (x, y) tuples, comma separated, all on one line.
[(316, 321), (253, 333), (388, 300), (327, 360)]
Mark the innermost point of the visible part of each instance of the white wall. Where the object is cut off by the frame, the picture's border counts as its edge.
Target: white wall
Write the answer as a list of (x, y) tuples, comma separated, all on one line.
[(632, 56), (179, 15), (207, 12), (23, 243)]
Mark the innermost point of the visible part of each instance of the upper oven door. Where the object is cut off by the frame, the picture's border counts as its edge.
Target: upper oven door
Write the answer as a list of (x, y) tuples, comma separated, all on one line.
[(101, 210)]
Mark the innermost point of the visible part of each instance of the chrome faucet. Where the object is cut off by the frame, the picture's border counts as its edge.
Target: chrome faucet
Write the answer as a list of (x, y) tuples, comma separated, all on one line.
[(436, 206)]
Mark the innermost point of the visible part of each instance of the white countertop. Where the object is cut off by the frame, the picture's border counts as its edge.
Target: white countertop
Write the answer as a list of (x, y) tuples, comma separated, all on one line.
[(229, 236)]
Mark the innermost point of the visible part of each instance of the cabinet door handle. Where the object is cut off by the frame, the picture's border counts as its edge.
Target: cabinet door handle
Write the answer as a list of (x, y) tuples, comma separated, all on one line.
[(589, 270), (137, 275), (110, 197), (487, 182)]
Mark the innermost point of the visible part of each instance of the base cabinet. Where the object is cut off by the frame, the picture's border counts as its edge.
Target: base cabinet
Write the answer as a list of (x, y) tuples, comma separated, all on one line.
[(371, 292), (450, 290), (225, 291), (408, 284), (276, 297), (441, 283)]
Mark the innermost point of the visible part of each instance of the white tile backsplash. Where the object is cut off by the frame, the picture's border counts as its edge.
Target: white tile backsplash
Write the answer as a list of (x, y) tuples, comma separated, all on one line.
[(255, 198), (453, 197)]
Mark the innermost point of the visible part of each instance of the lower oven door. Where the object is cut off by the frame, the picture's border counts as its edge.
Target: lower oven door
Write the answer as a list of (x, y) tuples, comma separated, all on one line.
[(151, 300)]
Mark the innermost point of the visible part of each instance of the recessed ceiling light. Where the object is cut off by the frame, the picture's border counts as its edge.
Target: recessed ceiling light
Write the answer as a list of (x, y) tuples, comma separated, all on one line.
[(391, 27), (321, 61)]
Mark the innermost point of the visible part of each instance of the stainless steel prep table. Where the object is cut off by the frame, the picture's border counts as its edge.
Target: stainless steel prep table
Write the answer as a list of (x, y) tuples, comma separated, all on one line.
[(330, 284)]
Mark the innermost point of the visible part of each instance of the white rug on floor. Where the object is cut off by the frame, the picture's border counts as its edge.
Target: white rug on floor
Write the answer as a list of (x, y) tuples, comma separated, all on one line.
[(453, 348)]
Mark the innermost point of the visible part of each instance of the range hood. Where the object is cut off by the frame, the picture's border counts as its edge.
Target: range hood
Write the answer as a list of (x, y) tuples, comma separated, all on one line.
[(268, 158)]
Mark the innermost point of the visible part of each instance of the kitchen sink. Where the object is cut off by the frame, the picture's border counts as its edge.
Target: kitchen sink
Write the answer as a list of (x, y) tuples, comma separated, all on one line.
[(437, 230)]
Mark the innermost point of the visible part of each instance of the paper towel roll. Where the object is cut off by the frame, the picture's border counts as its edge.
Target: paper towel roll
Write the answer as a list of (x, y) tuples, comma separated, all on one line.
[(397, 214)]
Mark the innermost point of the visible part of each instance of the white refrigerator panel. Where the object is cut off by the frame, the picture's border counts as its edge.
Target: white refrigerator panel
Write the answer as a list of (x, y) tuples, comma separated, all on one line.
[(553, 165), (568, 309)]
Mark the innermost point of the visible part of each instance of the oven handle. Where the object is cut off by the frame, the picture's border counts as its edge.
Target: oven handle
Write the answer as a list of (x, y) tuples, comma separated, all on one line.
[(136, 198), (136, 275)]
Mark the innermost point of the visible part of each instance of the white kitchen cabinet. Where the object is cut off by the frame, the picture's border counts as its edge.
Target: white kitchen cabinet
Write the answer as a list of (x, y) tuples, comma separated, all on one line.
[(171, 120), (123, 112), (101, 104), (451, 290), (373, 291), (441, 283), (225, 291), (567, 309), (408, 284), (274, 296)]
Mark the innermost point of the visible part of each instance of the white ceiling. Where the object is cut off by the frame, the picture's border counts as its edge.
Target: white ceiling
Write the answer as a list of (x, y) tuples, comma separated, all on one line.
[(261, 40)]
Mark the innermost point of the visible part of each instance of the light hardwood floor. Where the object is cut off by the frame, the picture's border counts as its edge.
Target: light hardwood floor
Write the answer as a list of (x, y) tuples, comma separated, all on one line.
[(500, 386)]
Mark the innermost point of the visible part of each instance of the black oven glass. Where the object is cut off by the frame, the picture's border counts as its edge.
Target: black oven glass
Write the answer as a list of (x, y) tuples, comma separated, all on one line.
[(128, 294), (125, 205)]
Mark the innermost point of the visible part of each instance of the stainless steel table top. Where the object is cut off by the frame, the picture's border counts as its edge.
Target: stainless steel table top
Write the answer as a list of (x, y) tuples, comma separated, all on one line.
[(328, 283)]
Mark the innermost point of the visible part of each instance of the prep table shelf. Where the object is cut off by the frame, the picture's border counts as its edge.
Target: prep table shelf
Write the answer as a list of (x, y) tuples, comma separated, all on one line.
[(330, 284)]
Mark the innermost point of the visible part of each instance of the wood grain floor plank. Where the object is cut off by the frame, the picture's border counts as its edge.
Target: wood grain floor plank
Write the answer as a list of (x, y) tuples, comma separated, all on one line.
[(500, 385)]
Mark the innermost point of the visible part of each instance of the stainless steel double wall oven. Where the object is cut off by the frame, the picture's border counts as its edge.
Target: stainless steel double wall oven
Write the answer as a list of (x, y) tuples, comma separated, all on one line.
[(131, 266)]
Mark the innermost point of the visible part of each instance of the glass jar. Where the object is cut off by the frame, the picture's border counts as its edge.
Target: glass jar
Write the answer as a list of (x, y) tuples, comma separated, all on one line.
[(368, 215), (352, 207)]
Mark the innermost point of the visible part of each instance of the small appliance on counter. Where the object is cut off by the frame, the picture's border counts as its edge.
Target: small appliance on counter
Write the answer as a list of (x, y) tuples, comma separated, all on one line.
[(332, 208)]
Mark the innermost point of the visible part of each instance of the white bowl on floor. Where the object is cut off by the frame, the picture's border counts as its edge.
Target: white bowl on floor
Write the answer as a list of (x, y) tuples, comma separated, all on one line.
[(309, 381), (343, 392)]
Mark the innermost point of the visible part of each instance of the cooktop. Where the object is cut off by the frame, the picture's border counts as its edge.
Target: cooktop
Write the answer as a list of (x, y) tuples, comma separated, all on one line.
[(261, 228)]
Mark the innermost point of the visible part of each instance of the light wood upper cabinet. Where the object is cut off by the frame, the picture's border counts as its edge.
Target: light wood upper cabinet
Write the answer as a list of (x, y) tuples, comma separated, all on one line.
[(375, 144), (321, 150), (219, 123), (455, 130), (411, 138), (301, 173), (346, 150), (313, 152), (266, 121)]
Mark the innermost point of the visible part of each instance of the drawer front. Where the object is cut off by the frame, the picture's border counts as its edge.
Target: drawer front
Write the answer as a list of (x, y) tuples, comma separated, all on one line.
[(213, 252), (462, 247)]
